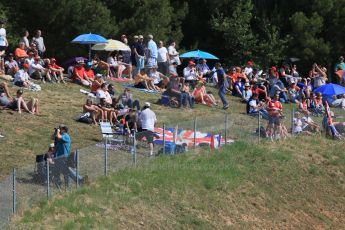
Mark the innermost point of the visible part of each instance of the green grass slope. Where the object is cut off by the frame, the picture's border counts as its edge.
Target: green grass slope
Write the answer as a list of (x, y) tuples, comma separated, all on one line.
[(295, 184)]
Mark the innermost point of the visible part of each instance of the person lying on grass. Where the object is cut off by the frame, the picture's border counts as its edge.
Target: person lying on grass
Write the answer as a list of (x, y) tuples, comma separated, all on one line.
[(18, 103)]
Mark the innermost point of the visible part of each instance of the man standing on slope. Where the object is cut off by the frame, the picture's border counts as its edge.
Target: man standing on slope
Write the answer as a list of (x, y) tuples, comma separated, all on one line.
[(147, 120), (222, 84), (152, 52)]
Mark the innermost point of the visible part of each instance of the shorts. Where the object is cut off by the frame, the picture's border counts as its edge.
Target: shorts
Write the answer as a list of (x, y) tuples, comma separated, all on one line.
[(19, 83), (2, 48), (274, 120), (13, 105), (151, 62), (140, 85), (147, 134), (81, 82)]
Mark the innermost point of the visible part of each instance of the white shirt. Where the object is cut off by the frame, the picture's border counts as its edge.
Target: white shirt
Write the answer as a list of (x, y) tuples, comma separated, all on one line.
[(40, 43), (21, 75), (248, 70), (155, 76), (3, 37), (174, 55), (252, 106), (25, 40), (189, 73), (297, 125), (162, 54), (147, 119), (11, 64), (35, 66), (112, 61), (103, 94), (305, 120)]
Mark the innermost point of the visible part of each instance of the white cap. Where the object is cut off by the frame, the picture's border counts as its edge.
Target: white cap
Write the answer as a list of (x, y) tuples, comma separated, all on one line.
[(246, 84), (147, 104), (51, 145)]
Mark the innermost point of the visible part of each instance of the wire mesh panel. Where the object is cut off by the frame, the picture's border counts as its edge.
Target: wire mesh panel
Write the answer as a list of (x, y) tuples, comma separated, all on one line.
[(6, 200)]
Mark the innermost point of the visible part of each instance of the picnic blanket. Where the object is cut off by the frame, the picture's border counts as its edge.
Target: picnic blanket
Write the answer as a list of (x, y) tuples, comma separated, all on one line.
[(143, 90), (183, 136), (120, 79)]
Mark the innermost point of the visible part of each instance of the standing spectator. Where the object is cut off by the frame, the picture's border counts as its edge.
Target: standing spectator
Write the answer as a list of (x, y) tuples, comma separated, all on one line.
[(25, 39), (222, 84), (319, 76), (152, 52), (40, 43), (173, 54), (132, 46), (275, 109), (62, 151), (3, 45), (340, 65), (248, 70), (126, 55), (11, 65), (147, 120), (163, 59), (139, 51)]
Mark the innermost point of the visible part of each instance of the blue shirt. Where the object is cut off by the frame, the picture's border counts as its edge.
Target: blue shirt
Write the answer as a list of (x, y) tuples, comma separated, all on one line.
[(63, 146), (152, 49), (139, 48)]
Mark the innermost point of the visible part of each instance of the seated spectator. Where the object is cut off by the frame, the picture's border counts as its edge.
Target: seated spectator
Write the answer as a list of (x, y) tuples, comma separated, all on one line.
[(96, 84), (114, 65), (201, 96), (294, 92), (309, 125), (278, 88), (108, 111), (21, 78), (248, 70), (304, 125), (190, 74), (260, 90), (20, 53), (335, 101), (126, 99), (297, 123), (96, 112), (238, 87), (246, 93), (79, 76), (203, 68), (101, 67), (186, 94), (316, 105), (89, 74), (33, 48), (286, 74), (305, 87), (142, 81), (303, 106), (111, 90), (55, 70), (254, 107), (173, 90), (50, 153), (38, 72), (11, 65), (157, 77), (18, 103), (102, 93)]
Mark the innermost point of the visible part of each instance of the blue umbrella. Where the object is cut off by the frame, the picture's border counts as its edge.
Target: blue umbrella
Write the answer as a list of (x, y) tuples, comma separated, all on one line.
[(330, 89), (89, 39), (198, 54)]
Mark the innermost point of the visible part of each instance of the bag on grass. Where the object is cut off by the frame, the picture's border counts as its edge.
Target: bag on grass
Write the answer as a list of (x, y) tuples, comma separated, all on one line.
[(85, 118)]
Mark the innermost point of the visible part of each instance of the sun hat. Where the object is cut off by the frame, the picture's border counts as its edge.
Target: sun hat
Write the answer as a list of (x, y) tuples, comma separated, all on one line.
[(141, 36), (247, 84), (51, 145), (147, 104)]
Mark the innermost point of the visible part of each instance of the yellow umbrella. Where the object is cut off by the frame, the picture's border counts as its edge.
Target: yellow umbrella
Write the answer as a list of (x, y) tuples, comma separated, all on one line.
[(111, 46)]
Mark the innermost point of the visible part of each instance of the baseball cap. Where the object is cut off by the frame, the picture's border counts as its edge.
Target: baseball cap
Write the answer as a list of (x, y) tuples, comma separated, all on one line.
[(51, 145), (99, 75), (141, 36), (191, 62), (135, 36), (250, 63), (147, 104), (150, 36), (62, 126), (25, 66), (247, 84)]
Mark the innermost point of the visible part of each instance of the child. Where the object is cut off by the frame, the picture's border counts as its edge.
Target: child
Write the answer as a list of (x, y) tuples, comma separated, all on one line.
[(50, 153)]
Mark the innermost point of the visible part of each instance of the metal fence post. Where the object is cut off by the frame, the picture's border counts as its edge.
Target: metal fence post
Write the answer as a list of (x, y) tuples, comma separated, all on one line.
[(226, 129), (77, 166), (194, 127), (14, 193), (259, 125), (48, 180), (106, 155), (292, 118), (163, 139)]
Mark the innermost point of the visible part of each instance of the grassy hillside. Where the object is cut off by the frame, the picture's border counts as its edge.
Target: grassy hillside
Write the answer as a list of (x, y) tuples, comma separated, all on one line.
[(279, 186)]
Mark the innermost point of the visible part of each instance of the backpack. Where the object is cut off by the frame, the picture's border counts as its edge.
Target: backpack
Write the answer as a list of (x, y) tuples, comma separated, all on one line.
[(85, 118)]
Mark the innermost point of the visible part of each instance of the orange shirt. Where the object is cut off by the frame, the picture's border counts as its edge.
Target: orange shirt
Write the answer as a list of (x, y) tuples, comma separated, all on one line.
[(90, 74), (20, 53), (274, 108)]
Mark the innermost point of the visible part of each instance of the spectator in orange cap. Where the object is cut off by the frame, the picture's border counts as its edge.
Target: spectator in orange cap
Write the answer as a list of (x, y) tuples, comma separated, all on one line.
[(55, 70)]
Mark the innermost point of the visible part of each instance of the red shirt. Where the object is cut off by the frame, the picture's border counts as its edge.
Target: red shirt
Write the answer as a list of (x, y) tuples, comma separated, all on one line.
[(54, 66), (78, 70), (89, 73), (258, 91), (274, 108)]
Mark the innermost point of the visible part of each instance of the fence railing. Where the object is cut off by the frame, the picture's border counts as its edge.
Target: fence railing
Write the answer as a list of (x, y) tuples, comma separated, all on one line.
[(33, 183)]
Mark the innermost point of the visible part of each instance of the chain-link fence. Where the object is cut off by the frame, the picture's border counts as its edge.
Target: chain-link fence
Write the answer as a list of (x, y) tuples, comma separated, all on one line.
[(41, 180)]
